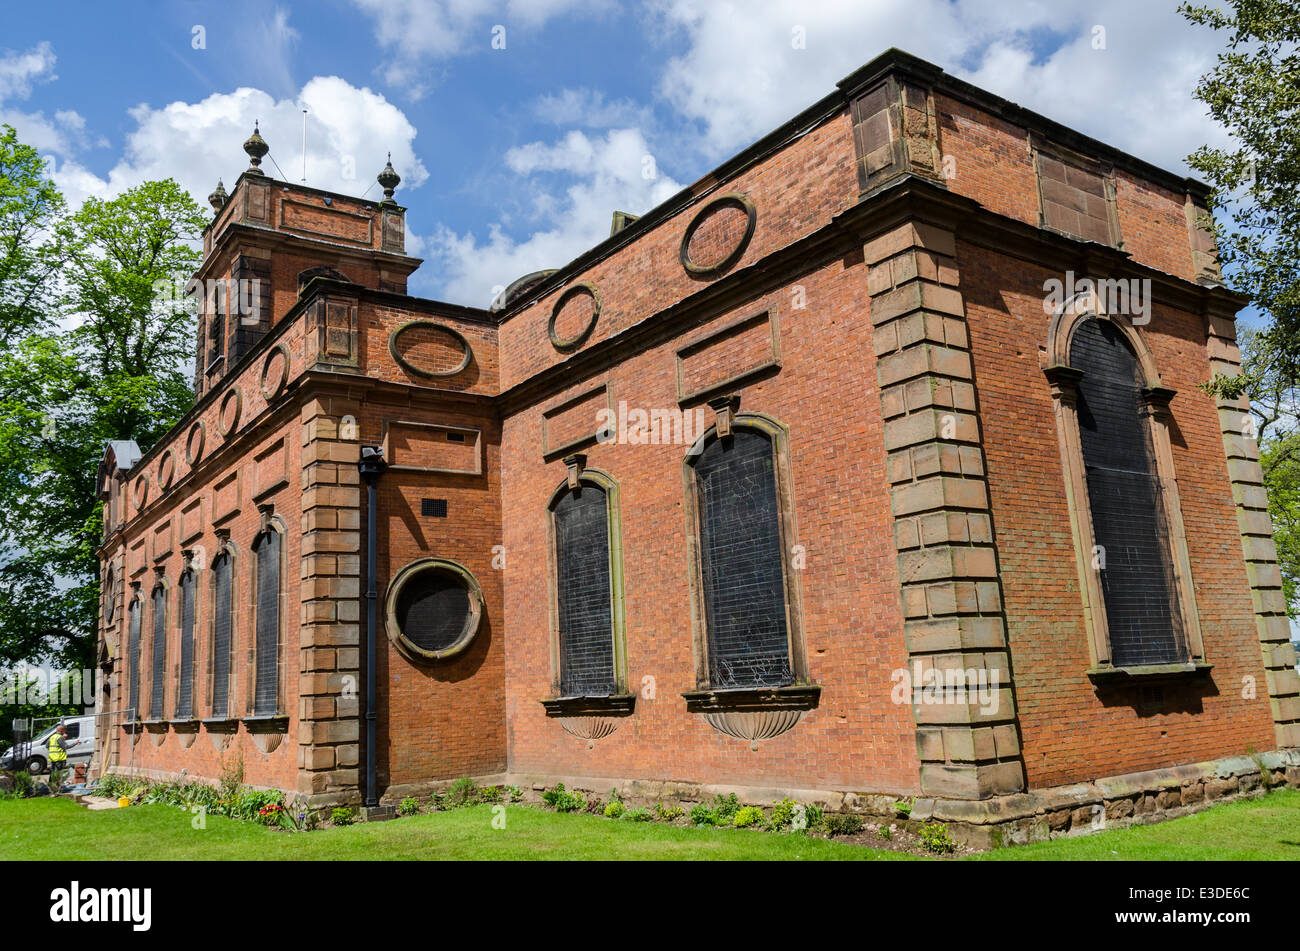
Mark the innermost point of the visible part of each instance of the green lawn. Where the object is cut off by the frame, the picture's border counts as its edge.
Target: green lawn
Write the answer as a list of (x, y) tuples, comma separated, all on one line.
[(60, 829)]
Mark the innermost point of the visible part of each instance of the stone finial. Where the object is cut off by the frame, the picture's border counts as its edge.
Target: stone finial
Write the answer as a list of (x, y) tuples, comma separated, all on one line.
[(389, 179), (256, 148), (218, 198)]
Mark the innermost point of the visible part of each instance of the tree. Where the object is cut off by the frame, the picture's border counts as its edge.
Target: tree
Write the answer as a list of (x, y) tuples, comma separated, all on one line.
[(1254, 91), (1274, 405), (121, 371), (30, 206)]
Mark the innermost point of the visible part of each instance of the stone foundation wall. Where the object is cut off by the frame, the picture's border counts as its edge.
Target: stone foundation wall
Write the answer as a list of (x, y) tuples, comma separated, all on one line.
[(1036, 816)]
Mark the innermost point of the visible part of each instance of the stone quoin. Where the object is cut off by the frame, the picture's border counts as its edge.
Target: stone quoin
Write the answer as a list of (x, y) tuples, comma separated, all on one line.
[(904, 465)]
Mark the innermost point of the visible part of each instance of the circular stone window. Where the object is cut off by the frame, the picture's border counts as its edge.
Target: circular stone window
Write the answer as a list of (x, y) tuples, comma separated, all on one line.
[(433, 609)]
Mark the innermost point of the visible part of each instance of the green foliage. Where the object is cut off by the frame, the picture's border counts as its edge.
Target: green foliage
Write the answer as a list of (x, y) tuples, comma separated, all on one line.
[(702, 814), (884, 832), (462, 792), (814, 814), (342, 816), (668, 813), (935, 838), (489, 794), (30, 208), (22, 784), (726, 808), (1254, 92), (561, 800), (904, 807), (615, 809), (783, 813), (408, 806), (748, 816), (103, 359), (515, 793), (639, 815), (842, 823)]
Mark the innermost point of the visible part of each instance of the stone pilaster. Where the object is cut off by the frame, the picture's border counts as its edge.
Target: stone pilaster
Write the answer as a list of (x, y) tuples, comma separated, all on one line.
[(1242, 449), (969, 742), (329, 673)]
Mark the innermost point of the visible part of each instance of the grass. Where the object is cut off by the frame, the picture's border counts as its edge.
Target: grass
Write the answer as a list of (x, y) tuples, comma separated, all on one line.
[(48, 829), (1265, 829)]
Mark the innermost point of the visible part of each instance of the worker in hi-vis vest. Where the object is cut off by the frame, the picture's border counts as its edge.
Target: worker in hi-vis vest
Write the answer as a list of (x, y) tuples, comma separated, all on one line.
[(59, 748)]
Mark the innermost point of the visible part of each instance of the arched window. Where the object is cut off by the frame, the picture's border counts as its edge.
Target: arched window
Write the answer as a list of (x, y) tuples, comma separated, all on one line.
[(744, 586), (1113, 420), (1124, 498), (220, 656), (185, 687), (159, 647), (586, 613), (266, 687), (133, 660)]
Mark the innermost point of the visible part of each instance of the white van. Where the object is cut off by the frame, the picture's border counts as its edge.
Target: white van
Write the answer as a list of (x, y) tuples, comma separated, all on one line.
[(81, 731)]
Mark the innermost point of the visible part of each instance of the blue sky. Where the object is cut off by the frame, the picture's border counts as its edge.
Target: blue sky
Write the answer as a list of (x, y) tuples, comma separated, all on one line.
[(514, 157)]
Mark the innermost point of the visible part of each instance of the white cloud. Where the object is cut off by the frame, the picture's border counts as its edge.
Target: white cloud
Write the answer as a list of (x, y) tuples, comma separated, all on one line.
[(742, 75), (349, 132), (18, 71), (589, 108), (604, 174), (419, 33), (65, 131)]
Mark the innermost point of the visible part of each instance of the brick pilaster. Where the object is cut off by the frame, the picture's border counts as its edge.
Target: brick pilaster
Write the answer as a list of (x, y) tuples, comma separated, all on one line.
[(1247, 478), (329, 677), (952, 604)]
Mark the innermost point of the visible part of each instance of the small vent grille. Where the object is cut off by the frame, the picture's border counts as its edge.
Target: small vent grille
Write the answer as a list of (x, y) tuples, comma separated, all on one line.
[(455, 437), (433, 508)]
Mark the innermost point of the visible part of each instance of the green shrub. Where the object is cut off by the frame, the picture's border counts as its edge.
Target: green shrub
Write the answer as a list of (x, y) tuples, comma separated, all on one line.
[(614, 809), (783, 813), (561, 800), (815, 815), (935, 838), (639, 815), (839, 823), (23, 784), (408, 806), (515, 792), (748, 816), (903, 807), (668, 813), (462, 792), (342, 816), (438, 801), (703, 815), (490, 794), (885, 832), (726, 808)]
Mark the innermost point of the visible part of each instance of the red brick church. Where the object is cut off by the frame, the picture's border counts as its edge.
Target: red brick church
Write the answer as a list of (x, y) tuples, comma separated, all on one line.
[(874, 464)]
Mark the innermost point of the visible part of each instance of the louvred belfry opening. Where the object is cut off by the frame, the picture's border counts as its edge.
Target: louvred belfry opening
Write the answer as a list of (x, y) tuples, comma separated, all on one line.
[(1124, 494)]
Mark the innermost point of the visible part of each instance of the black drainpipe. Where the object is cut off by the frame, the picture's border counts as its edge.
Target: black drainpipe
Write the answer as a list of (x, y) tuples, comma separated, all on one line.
[(372, 466)]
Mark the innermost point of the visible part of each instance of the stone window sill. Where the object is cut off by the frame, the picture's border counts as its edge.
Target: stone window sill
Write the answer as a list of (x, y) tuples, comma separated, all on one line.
[(267, 723), (157, 726), (616, 705), (1118, 676), (190, 724), (756, 699), (220, 724)]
